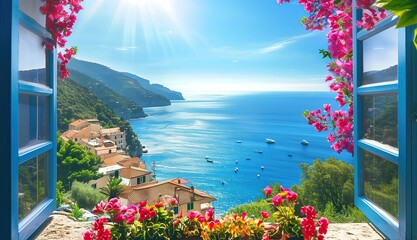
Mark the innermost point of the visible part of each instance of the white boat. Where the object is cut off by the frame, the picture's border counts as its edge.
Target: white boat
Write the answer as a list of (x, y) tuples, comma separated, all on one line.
[(258, 175), (207, 157), (258, 151), (262, 167), (304, 142), (269, 140), (144, 150), (209, 160), (236, 169), (237, 161), (238, 141)]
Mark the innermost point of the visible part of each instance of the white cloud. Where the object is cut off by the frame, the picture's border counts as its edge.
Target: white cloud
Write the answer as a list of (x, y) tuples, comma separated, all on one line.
[(266, 49), (125, 48)]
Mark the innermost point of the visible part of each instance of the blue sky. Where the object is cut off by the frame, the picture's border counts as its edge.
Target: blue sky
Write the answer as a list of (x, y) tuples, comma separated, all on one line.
[(204, 45)]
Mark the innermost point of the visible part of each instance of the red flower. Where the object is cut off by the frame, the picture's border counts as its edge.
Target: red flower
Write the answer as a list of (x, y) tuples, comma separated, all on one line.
[(265, 214)]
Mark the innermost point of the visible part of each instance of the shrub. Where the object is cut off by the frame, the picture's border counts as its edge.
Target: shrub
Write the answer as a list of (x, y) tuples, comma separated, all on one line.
[(85, 196)]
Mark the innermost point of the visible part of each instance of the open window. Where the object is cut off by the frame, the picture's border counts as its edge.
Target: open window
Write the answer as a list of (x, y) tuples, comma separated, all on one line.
[(29, 97), (384, 76)]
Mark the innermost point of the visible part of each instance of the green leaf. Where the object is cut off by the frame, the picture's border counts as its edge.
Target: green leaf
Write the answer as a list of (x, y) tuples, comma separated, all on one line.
[(415, 38), (407, 19), (399, 4)]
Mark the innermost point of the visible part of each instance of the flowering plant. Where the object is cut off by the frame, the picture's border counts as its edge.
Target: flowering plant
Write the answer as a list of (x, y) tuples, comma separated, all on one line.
[(157, 221)]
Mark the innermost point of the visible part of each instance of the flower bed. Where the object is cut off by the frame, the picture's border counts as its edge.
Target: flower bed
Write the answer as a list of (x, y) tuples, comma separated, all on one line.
[(157, 221)]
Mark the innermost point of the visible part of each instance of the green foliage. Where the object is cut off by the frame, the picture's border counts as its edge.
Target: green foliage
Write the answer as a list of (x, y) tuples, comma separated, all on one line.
[(113, 188), (75, 162), (328, 186), (349, 214), (122, 106), (85, 196), (254, 209), (60, 194), (76, 212), (406, 10), (76, 102), (324, 182), (325, 53)]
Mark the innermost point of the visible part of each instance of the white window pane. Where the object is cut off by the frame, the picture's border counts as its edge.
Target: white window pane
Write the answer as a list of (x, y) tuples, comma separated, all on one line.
[(31, 8), (380, 57), (32, 57)]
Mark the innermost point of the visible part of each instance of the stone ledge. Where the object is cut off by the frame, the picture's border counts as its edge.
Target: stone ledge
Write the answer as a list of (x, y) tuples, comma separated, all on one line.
[(60, 227)]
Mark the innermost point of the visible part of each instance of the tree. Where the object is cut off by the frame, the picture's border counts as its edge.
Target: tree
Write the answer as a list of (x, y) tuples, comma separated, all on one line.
[(114, 188), (75, 162), (324, 182)]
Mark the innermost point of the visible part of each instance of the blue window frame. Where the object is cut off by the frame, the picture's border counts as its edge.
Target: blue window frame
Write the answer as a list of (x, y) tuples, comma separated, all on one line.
[(28, 96), (385, 96)]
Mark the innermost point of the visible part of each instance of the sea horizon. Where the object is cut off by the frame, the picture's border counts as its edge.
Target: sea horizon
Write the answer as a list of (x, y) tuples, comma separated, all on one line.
[(231, 129)]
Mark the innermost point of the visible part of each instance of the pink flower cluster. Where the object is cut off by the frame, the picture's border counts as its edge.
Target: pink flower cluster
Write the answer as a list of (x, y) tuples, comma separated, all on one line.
[(60, 19), (308, 224), (337, 16), (119, 213)]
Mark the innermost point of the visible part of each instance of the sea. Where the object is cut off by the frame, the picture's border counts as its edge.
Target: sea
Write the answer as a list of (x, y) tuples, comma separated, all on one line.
[(231, 131)]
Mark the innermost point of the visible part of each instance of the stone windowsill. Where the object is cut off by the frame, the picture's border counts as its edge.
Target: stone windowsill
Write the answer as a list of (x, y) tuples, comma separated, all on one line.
[(60, 227)]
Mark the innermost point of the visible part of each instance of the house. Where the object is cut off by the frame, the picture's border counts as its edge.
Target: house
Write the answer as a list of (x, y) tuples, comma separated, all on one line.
[(189, 198), (78, 124), (115, 135)]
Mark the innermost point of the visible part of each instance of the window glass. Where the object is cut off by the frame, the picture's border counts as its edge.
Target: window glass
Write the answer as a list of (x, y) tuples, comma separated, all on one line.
[(33, 119), (380, 121), (380, 182), (31, 8), (33, 183), (380, 57), (32, 57)]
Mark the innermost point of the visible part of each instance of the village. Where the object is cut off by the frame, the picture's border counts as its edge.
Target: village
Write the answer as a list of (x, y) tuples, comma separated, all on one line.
[(140, 184)]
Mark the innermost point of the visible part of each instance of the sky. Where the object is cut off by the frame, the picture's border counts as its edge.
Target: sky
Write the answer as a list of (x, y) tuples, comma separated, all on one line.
[(204, 45)]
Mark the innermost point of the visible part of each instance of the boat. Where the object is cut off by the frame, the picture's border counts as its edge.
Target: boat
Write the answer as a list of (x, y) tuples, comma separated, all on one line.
[(269, 140), (207, 157), (258, 151), (144, 150), (304, 142), (238, 141), (289, 155), (237, 161), (223, 182), (258, 175), (248, 158), (236, 170), (262, 167), (209, 160)]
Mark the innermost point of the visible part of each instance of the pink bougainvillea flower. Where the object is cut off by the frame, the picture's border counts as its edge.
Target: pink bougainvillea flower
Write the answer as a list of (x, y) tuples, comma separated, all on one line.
[(99, 208), (292, 196), (267, 191), (277, 200)]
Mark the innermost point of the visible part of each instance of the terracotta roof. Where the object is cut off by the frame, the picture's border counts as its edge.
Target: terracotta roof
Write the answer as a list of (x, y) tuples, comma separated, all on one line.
[(127, 162), (69, 133), (133, 172), (151, 192), (114, 160), (110, 130), (78, 122)]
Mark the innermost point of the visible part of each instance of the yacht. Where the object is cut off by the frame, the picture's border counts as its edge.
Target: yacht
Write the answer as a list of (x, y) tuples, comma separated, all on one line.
[(269, 140), (209, 160), (238, 141), (304, 142)]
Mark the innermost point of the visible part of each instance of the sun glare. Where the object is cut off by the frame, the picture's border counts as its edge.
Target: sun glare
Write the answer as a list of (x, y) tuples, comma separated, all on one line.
[(153, 21)]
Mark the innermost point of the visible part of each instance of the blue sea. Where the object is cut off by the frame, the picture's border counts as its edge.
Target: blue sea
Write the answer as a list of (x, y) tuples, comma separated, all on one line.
[(180, 136)]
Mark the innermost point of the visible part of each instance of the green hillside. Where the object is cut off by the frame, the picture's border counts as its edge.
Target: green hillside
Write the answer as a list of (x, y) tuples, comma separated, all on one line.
[(122, 106), (76, 102), (120, 83)]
